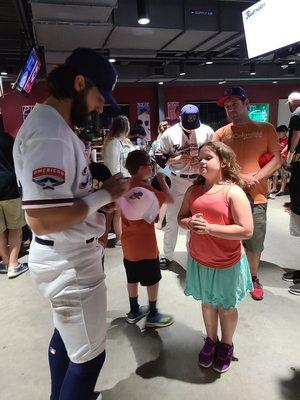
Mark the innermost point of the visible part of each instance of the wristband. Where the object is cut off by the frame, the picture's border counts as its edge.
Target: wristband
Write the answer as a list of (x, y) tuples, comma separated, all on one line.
[(96, 200)]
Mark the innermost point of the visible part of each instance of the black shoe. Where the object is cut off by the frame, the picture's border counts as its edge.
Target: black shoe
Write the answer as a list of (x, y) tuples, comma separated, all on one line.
[(292, 276), (295, 289), (164, 263)]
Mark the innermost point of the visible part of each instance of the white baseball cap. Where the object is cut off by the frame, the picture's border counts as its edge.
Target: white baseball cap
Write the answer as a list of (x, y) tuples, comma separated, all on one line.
[(295, 96), (139, 203)]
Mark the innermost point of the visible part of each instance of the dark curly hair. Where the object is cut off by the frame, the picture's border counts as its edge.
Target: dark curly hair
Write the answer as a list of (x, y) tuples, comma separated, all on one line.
[(230, 170)]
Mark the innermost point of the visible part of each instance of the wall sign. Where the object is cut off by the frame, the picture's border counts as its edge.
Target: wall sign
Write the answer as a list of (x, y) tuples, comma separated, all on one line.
[(143, 114)]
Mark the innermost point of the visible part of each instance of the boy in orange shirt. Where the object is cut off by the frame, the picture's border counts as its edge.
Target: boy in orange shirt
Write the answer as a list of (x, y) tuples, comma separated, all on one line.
[(140, 247)]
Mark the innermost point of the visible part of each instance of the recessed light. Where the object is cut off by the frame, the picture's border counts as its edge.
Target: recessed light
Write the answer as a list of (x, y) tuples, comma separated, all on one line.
[(143, 12), (160, 83), (221, 82), (284, 66), (292, 62), (112, 60), (274, 82), (3, 73)]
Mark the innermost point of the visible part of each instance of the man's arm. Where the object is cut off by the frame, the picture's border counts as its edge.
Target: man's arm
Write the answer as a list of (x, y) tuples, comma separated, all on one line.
[(44, 221), (294, 143)]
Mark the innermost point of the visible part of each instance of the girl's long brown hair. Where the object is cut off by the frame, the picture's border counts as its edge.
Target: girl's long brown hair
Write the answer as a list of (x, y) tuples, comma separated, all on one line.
[(230, 170)]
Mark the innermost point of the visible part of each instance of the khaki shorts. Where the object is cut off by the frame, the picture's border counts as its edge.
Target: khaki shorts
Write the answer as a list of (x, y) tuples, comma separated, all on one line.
[(11, 215), (256, 243)]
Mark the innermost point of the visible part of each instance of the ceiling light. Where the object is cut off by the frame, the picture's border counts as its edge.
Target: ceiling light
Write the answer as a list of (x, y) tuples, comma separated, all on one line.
[(292, 62), (209, 61), (221, 82), (143, 12), (3, 73), (252, 69), (274, 82), (112, 60), (182, 70), (160, 83), (284, 66)]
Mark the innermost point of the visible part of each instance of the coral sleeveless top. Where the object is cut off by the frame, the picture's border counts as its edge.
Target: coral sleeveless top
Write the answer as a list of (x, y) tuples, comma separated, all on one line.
[(206, 249)]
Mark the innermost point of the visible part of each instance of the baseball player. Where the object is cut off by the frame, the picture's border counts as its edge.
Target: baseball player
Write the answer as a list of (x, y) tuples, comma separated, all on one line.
[(178, 148), (65, 256)]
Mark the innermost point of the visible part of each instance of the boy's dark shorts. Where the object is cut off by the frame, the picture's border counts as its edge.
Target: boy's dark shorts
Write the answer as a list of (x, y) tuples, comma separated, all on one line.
[(146, 272)]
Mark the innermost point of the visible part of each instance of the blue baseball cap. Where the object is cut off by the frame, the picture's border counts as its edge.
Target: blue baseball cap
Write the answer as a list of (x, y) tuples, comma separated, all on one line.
[(190, 117), (97, 69), (235, 91)]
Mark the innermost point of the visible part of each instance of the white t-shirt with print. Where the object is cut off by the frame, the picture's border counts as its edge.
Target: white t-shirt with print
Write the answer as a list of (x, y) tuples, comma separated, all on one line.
[(52, 170), (175, 142), (116, 152)]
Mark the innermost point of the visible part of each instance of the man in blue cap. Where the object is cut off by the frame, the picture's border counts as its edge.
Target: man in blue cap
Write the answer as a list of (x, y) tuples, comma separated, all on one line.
[(178, 148), (65, 256)]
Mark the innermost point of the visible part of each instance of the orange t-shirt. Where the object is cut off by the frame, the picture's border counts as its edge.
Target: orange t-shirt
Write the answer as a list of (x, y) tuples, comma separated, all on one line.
[(138, 237), (249, 142)]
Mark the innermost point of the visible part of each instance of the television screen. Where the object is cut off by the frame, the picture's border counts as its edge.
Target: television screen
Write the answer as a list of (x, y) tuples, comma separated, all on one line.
[(270, 25), (259, 112), (29, 73)]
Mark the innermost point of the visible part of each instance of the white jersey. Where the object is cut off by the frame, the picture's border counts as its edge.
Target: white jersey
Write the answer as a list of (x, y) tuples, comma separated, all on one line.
[(52, 170), (175, 142)]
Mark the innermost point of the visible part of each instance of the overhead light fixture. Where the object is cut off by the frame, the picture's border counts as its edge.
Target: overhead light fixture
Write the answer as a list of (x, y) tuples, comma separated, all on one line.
[(292, 62), (112, 60), (274, 82), (143, 12), (182, 70), (252, 69), (3, 73), (284, 66), (209, 60), (222, 82), (160, 83)]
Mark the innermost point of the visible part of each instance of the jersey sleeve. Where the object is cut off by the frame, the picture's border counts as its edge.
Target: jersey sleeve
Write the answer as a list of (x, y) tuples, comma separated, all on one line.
[(163, 145), (273, 142), (47, 173)]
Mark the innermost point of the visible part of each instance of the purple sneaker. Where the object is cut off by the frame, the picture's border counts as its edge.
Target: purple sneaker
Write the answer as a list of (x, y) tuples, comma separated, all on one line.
[(207, 354), (224, 353)]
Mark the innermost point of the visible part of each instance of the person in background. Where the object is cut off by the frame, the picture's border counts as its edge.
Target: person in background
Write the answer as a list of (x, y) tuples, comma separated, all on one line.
[(178, 149), (116, 148), (137, 134), (282, 131), (217, 213), (139, 246), (11, 215), (100, 173), (162, 126), (294, 160), (250, 140)]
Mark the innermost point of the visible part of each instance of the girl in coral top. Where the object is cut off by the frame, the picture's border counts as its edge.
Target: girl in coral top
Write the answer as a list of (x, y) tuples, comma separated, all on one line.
[(218, 215)]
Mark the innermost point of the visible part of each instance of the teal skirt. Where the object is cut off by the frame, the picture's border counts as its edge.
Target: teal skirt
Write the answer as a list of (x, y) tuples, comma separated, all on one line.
[(224, 288)]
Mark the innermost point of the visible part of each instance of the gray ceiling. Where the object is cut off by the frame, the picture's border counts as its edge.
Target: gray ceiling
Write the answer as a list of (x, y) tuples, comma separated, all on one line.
[(180, 32)]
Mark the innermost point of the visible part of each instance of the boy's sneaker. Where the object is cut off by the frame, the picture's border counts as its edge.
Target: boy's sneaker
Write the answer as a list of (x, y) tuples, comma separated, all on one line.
[(292, 276), (258, 290), (13, 272), (3, 268), (223, 358), (164, 263), (132, 318), (207, 354), (159, 321), (295, 289)]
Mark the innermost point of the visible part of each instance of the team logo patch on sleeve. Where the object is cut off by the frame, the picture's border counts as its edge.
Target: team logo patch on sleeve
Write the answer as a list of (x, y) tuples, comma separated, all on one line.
[(48, 177)]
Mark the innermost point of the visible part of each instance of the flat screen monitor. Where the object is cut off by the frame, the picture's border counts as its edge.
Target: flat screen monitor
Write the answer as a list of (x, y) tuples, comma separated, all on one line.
[(259, 112), (270, 25), (29, 73)]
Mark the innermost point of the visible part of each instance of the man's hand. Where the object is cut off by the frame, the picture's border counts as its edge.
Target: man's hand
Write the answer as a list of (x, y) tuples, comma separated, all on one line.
[(250, 180), (182, 158), (116, 185)]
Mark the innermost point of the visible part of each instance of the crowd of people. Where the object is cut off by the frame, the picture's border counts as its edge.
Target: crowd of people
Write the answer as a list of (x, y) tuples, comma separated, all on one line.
[(212, 184)]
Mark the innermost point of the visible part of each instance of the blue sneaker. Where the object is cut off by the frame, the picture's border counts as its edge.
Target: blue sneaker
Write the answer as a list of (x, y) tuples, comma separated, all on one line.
[(13, 272), (3, 268), (159, 321), (132, 318)]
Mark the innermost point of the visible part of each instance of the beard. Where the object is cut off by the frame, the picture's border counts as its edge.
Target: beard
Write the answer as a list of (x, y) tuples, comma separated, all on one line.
[(79, 109)]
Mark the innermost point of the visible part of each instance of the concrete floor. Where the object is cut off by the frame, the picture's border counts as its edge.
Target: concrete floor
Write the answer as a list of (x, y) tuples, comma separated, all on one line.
[(163, 364)]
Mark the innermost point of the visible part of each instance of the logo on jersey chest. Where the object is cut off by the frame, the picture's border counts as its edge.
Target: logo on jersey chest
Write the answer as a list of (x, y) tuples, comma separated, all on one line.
[(48, 177)]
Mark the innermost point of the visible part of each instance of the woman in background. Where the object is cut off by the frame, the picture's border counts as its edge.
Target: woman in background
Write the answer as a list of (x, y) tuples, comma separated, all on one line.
[(116, 148)]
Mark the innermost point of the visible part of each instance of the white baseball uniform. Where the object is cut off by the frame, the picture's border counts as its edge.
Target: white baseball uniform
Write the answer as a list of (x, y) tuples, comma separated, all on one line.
[(52, 171), (175, 142)]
